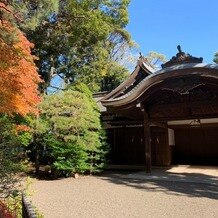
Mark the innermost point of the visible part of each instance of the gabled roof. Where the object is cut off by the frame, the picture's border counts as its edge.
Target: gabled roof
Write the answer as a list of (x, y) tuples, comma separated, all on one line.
[(144, 78), (141, 71)]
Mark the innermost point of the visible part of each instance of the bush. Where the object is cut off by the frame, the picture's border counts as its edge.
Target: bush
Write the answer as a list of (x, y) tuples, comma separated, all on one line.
[(10, 150), (68, 135), (13, 138)]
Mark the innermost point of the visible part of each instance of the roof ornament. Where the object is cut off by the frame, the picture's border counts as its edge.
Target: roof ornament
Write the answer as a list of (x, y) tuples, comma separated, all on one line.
[(179, 49), (182, 58), (141, 58)]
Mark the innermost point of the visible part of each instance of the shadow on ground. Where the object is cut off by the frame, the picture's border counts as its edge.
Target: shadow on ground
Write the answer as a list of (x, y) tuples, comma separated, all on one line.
[(180, 184)]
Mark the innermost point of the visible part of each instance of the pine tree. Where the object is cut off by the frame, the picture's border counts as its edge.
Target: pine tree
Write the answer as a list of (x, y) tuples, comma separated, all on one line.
[(69, 129)]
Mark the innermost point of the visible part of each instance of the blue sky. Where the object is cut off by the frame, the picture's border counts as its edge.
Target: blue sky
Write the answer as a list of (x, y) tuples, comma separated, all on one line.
[(160, 25)]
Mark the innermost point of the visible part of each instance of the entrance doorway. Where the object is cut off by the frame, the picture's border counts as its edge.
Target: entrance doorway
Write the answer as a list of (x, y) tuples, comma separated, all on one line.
[(198, 146)]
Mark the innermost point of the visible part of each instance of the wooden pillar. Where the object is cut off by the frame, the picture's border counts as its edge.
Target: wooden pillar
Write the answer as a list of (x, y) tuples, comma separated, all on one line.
[(147, 140)]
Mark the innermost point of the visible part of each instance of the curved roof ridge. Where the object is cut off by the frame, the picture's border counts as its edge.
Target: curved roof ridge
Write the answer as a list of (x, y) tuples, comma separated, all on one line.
[(142, 64), (162, 71)]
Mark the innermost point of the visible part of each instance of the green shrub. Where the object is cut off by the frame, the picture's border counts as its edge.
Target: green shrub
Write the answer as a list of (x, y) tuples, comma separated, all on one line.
[(10, 152), (68, 133)]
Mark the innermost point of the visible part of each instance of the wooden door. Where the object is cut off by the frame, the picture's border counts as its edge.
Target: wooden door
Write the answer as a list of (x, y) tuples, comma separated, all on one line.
[(127, 146), (196, 146), (159, 147)]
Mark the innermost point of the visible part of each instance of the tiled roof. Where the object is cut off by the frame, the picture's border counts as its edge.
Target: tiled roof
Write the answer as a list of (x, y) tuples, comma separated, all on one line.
[(163, 71)]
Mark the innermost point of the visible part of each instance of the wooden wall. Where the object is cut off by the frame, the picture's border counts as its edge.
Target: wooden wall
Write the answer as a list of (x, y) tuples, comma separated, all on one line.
[(197, 145), (128, 148), (160, 147)]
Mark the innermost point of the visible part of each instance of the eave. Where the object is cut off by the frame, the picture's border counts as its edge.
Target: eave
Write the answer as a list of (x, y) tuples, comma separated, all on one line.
[(155, 79), (143, 67)]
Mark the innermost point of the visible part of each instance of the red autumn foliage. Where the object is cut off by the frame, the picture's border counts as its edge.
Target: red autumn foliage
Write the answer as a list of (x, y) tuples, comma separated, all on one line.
[(4, 212), (18, 74)]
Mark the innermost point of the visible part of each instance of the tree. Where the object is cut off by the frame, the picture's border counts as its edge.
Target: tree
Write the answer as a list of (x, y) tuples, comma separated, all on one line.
[(113, 75), (12, 139), (67, 135), (19, 77), (155, 59), (27, 14), (216, 58), (19, 96), (18, 74), (80, 40)]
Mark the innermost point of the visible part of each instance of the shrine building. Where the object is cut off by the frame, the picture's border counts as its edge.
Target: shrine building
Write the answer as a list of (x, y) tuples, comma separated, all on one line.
[(164, 117)]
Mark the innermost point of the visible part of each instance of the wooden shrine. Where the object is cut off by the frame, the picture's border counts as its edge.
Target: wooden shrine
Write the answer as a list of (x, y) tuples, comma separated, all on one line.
[(165, 117)]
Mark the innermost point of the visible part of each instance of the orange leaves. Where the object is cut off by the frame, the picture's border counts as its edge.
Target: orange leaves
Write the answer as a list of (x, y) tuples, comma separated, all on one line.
[(22, 128), (18, 74)]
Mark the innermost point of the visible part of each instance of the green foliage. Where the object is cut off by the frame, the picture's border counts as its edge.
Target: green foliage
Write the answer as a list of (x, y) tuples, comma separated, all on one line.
[(24, 138), (216, 58), (114, 75), (82, 88), (13, 141), (25, 14), (156, 59), (79, 40), (68, 132), (29, 14), (9, 161), (13, 204)]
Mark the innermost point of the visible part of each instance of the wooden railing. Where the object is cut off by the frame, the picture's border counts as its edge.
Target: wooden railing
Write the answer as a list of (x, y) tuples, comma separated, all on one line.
[(27, 208)]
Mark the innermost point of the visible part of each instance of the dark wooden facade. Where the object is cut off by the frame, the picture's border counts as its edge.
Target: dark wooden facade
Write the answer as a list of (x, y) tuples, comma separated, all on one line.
[(141, 111), (196, 145)]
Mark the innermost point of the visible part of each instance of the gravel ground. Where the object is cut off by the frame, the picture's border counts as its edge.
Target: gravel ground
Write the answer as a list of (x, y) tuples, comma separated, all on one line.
[(116, 196)]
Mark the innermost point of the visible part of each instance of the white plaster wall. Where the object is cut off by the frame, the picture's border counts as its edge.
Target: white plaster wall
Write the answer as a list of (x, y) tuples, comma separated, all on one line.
[(171, 137)]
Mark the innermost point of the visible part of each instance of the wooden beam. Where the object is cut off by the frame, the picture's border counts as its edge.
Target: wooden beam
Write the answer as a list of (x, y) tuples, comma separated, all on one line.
[(180, 111), (147, 140), (165, 119), (185, 126), (160, 124), (184, 104)]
